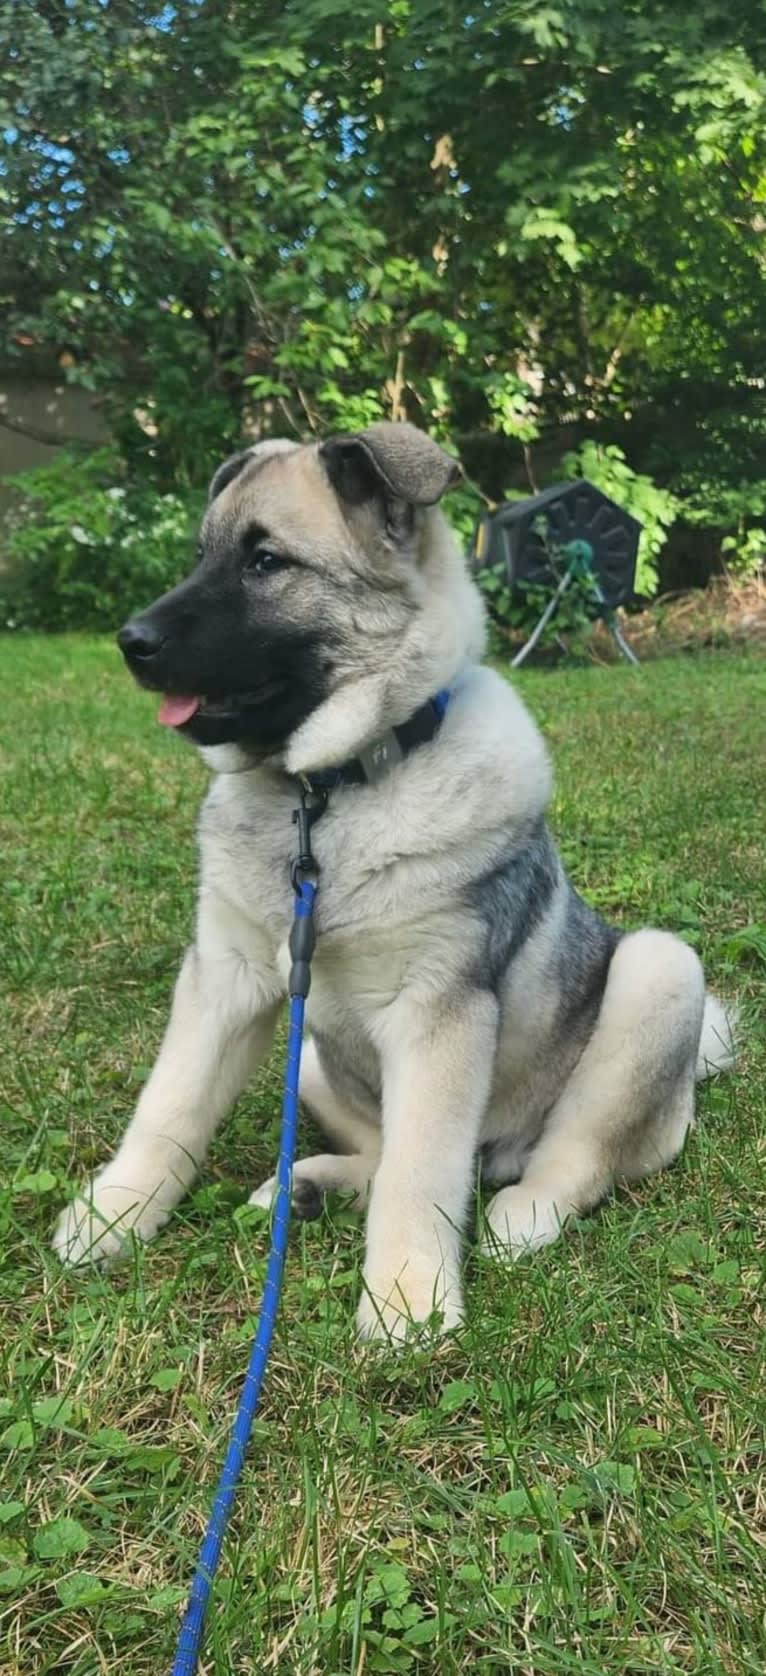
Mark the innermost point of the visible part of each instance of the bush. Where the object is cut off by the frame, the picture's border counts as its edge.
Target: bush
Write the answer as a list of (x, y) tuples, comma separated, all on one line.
[(82, 548), (744, 554)]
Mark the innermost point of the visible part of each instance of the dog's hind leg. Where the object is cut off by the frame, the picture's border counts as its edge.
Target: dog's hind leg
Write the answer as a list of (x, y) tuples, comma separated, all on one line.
[(326, 1172), (348, 1171), (627, 1106)]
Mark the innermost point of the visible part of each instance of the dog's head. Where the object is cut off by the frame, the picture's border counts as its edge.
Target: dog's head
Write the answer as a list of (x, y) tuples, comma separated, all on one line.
[(328, 599)]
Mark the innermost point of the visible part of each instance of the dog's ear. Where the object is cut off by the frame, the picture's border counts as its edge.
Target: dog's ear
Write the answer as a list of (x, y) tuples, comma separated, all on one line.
[(226, 473), (399, 459)]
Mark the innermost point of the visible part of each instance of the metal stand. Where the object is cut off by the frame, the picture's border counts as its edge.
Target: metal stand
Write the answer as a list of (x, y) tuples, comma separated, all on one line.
[(546, 617), (579, 565), (618, 638)]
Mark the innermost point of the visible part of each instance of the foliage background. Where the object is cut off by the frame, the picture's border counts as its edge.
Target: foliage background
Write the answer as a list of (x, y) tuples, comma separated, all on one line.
[(536, 229), (526, 226)]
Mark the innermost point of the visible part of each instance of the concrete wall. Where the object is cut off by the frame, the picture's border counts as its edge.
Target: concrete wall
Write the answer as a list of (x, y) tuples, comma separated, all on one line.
[(39, 415)]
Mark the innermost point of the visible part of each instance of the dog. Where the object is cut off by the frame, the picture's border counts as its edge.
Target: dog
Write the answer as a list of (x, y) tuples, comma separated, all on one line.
[(465, 1001)]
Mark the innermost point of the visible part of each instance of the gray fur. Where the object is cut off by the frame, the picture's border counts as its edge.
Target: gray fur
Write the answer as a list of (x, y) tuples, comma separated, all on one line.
[(510, 899), (582, 963), (500, 1163), (463, 996), (352, 1067), (411, 466)]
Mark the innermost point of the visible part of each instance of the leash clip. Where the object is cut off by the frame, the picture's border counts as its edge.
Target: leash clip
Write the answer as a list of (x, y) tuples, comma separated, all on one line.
[(304, 875), (313, 804)]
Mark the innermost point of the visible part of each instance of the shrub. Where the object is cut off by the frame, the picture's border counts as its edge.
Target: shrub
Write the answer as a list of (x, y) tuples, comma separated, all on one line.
[(82, 548), (515, 615), (744, 554)]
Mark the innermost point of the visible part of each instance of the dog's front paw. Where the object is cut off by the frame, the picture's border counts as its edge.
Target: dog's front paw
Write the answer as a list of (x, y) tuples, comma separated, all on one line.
[(519, 1220), (397, 1302), (96, 1226)]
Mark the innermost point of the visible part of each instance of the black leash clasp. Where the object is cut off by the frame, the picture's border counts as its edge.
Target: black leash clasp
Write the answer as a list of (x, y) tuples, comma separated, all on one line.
[(313, 804), (304, 875)]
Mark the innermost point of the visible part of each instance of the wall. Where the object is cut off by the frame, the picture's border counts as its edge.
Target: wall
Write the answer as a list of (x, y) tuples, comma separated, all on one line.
[(38, 415)]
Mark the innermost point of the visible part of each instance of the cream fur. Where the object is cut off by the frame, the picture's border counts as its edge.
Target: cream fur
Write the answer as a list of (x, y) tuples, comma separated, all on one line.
[(460, 1063)]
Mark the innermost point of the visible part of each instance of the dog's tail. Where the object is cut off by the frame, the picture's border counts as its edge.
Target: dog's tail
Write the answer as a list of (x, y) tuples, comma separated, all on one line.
[(718, 1040)]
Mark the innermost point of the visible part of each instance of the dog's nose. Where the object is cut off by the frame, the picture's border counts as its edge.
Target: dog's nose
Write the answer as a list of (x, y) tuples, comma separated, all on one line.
[(138, 640)]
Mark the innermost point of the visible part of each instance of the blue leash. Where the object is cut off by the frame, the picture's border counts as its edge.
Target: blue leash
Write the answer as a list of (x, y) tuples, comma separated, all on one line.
[(301, 949), (304, 876)]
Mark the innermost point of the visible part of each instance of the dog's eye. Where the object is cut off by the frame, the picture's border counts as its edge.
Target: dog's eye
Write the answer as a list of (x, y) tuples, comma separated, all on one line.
[(263, 561)]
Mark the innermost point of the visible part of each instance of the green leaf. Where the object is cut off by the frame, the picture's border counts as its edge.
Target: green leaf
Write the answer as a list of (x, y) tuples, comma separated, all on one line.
[(110, 1441), (10, 1510), (166, 1379), (15, 1578), (418, 1635), (52, 1411), (12, 1551), (59, 1538), (19, 1435), (80, 1589), (615, 1478), (572, 1497), (685, 1294), (514, 1502), (41, 1181), (645, 1437), (153, 1458), (686, 1253), (459, 1393), (389, 1583), (168, 1597), (515, 1542)]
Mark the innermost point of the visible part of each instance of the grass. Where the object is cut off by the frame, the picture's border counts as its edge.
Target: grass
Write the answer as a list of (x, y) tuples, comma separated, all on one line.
[(573, 1484)]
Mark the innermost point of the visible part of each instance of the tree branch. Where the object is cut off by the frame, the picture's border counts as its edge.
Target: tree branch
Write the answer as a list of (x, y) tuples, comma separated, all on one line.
[(51, 439)]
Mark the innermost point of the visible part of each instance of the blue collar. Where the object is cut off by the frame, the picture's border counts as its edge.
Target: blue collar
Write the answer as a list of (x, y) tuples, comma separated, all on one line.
[(383, 753)]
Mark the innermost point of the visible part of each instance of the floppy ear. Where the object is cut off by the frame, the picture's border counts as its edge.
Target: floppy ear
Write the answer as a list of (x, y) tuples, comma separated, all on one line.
[(226, 473), (397, 458)]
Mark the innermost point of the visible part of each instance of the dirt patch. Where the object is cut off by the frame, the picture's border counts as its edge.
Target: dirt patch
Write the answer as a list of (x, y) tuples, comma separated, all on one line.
[(724, 614)]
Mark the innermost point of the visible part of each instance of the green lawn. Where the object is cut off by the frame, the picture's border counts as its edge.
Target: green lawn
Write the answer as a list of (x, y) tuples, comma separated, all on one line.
[(576, 1482)]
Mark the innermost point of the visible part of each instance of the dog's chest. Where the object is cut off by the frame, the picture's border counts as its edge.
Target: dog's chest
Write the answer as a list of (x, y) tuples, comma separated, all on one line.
[(373, 931), (249, 842), (246, 852), (352, 982)]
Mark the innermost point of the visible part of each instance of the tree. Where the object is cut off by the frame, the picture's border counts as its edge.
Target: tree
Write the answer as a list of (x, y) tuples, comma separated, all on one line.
[(500, 222)]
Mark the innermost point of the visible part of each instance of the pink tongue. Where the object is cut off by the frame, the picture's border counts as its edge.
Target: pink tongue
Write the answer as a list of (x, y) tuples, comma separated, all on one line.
[(177, 709)]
